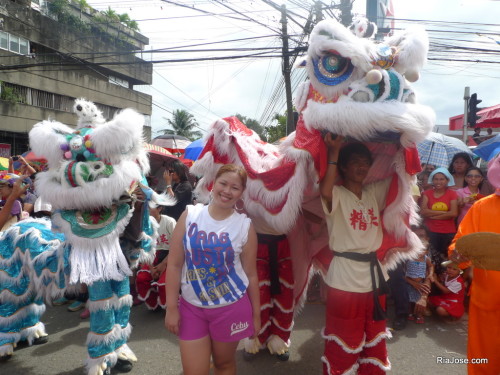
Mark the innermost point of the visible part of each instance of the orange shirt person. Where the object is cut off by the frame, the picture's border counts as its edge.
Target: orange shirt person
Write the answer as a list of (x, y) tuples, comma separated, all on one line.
[(484, 308)]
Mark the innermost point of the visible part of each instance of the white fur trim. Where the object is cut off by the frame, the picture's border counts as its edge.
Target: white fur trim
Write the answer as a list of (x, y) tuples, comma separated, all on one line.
[(32, 309), (114, 303), (6, 296), (364, 120), (277, 324), (95, 259), (29, 334), (115, 334), (402, 205), (351, 371), (376, 362), (284, 283), (120, 138), (256, 197), (266, 306), (46, 137), (300, 303), (413, 46), (300, 98), (381, 336), (287, 311), (54, 189), (342, 344), (264, 327)]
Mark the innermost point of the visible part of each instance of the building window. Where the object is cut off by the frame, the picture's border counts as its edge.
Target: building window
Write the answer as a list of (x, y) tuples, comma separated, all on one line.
[(24, 46), (14, 43), (4, 40), (118, 81)]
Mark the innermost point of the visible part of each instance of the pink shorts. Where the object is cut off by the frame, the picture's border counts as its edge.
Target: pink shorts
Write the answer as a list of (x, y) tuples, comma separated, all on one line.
[(226, 324)]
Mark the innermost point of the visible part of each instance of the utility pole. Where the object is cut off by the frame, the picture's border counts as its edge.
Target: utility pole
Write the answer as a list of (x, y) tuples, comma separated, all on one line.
[(345, 12), (290, 125), (319, 11), (466, 112)]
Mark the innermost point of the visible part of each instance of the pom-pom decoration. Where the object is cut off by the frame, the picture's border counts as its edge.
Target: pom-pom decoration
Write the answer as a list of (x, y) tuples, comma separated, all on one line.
[(373, 77)]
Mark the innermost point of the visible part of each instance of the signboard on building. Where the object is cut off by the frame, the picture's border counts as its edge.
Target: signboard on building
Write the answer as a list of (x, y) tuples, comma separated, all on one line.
[(4, 150)]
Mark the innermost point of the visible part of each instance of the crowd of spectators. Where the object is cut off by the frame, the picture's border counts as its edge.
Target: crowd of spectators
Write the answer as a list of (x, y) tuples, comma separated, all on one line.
[(433, 282)]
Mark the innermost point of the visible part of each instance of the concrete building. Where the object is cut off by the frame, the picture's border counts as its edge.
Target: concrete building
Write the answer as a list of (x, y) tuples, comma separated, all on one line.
[(53, 51)]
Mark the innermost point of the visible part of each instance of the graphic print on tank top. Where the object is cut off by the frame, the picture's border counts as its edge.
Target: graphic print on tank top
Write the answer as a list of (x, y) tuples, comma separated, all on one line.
[(211, 267)]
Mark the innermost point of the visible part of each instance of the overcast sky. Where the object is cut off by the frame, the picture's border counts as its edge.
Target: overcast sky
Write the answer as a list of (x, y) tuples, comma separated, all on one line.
[(212, 89)]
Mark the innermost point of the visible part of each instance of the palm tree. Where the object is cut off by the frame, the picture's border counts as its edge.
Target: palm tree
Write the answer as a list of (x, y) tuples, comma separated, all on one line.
[(182, 123), (111, 14)]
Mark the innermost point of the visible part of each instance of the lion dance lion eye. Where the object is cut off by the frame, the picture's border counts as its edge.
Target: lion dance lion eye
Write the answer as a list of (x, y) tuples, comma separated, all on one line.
[(332, 69)]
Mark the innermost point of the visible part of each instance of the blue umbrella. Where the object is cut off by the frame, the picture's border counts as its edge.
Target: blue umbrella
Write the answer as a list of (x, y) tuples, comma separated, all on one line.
[(487, 150), (193, 150), (438, 149)]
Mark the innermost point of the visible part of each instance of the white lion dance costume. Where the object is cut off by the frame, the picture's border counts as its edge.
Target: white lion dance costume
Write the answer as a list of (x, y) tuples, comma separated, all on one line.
[(92, 172), (359, 89)]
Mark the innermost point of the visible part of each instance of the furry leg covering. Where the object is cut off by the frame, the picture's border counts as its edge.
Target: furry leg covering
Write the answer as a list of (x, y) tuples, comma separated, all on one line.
[(109, 305), (276, 285), (31, 269)]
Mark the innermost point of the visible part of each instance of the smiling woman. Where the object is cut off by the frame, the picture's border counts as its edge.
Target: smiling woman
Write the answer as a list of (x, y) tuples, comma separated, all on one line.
[(213, 261), (439, 209)]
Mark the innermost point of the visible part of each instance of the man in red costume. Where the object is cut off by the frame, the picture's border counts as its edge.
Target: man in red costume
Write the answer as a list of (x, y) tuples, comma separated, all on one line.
[(355, 329)]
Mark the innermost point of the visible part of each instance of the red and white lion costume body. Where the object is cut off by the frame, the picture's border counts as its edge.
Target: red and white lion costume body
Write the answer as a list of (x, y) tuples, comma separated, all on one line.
[(358, 89)]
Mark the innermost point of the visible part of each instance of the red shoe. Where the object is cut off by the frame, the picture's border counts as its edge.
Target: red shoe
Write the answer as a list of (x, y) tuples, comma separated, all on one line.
[(411, 317), (85, 314), (420, 320)]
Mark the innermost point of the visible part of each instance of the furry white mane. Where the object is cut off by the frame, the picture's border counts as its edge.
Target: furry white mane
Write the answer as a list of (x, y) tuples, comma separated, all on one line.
[(93, 165)]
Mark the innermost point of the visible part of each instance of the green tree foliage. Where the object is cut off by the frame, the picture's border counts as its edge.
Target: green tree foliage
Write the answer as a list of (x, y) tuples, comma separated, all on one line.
[(183, 123), (111, 14), (276, 132), (254, 125)]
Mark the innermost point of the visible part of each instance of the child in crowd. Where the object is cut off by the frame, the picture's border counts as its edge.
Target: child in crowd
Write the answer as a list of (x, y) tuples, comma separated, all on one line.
[(449, 304), (7, 181), (150, 281), (418, 274)]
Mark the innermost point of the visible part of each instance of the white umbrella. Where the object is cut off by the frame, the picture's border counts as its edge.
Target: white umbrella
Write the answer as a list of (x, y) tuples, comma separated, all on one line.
[(438, 149)]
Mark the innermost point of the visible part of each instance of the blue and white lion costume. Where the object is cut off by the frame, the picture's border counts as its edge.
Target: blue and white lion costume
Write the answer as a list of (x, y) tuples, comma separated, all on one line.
[(92, 174)]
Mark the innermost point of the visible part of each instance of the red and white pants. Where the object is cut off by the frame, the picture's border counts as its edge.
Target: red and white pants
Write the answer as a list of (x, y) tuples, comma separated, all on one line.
[(354, 342), (152, 292), (276, 309)]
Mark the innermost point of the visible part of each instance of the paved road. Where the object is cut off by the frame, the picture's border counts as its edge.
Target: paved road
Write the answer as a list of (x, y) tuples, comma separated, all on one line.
[(412, 351)]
